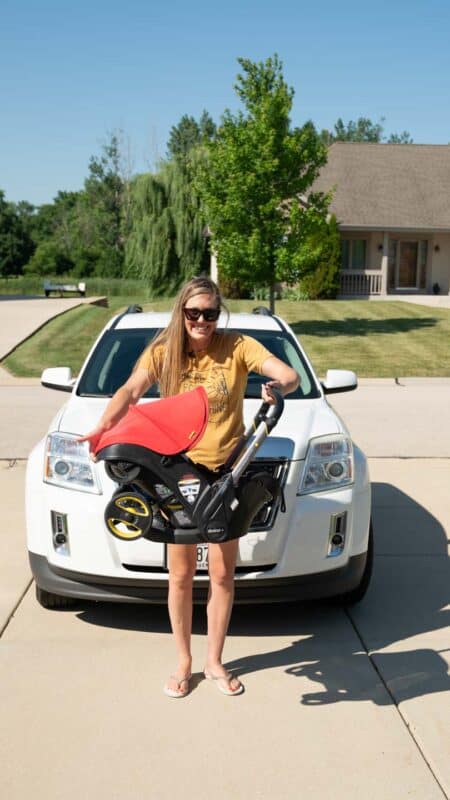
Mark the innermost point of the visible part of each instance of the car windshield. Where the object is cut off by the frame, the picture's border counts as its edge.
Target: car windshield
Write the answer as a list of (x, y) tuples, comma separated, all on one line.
[(118, 350)]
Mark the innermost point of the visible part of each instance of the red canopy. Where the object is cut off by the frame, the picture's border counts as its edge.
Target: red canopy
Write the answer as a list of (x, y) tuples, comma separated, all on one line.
[(169, 426)]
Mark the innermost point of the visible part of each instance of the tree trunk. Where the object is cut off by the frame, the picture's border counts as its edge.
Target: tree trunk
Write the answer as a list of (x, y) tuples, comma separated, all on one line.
[(272, 298)]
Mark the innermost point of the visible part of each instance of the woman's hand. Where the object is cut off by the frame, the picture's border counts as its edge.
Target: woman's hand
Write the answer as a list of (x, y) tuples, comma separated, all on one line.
[(131, 391), (282, 377), (93, 437), (267, 394)]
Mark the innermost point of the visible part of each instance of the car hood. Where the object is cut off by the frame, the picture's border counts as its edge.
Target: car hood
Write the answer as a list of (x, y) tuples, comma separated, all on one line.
[(301, 421)]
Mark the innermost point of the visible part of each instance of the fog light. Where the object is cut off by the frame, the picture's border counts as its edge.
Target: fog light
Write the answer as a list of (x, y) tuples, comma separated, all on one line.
[(338, 530), (60, 533)]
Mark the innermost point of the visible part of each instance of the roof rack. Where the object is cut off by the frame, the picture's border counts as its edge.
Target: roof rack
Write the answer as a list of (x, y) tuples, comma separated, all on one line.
[(262, 310), (266, 312), (133, 309)]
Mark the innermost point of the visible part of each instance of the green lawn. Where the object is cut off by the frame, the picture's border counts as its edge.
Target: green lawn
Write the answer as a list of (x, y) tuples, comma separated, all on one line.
[(375, 339)]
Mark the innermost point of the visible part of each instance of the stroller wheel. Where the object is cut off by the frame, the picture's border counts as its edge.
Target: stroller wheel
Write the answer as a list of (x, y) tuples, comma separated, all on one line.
[(128, 515), (122, 471)]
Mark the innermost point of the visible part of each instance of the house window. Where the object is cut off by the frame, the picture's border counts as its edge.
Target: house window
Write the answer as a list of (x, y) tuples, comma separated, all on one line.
[(354, 253)]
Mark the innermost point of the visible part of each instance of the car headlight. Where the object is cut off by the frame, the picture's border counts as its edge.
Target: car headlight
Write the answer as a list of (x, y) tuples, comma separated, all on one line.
[(68, 464), (329, 464)]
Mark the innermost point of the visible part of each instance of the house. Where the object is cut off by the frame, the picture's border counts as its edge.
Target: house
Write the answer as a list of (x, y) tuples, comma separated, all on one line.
[(392, 204)]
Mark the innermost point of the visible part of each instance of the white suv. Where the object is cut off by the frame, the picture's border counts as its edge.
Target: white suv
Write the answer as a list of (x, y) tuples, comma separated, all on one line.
[(315, 541)]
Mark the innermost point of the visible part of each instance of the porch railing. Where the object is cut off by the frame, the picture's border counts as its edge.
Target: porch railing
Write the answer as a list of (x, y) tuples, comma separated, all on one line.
[(361, 282)]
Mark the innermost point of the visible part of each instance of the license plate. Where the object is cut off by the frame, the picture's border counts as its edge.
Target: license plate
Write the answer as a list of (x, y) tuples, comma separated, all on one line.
[(202, 558)]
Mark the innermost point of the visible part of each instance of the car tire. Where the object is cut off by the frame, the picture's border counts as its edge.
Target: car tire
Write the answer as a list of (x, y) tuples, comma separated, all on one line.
[(55, 601), (357, 594)]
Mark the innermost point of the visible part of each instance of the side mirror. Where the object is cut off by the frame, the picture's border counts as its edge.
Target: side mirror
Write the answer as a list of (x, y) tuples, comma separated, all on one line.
[(339, 380), (59, 378)]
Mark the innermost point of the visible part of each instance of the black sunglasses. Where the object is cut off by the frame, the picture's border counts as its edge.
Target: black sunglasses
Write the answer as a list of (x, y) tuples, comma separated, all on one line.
[(208, 314)]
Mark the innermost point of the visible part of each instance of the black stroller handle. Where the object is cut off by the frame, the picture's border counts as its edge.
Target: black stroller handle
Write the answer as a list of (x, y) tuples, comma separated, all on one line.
[(263, 422), (270, 413)]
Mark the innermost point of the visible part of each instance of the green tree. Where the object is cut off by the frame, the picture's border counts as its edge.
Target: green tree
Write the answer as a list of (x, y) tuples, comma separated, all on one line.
[(150, 248), (45, 222), (16, 244), (182, 137), (322, 283), (26, 213), (257, 169), (84, 232), (362, 130), (56, 236), (188, 134), (400, 138), (49, 260), (100, 210), (191, 243), (167, 243)]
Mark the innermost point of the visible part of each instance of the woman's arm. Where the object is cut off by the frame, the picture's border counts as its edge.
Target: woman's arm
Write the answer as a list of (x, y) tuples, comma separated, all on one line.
[(127, 394), (283, 378)]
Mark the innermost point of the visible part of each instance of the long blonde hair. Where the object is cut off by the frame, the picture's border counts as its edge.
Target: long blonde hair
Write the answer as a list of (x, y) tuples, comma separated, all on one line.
[(174, 337)]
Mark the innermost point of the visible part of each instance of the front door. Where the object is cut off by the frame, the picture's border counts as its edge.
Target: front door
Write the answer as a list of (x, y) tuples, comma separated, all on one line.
[(407, 265)]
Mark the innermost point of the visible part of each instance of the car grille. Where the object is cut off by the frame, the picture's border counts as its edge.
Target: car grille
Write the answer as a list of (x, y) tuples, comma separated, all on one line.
[(265, 518), (239, 570)]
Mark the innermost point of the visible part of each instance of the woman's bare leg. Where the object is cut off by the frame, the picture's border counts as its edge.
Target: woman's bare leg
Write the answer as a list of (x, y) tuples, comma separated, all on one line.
[(222, 561), (182, 565)]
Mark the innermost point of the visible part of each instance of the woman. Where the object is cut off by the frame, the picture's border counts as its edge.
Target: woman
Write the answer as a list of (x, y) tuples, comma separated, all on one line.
[(187, 353)]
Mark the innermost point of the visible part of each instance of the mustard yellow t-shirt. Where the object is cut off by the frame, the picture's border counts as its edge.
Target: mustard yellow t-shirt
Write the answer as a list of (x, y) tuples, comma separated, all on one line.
[(222, 369)]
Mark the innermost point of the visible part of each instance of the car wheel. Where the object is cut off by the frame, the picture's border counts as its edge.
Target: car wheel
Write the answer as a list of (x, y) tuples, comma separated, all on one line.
[(357, 594), (49, 600)]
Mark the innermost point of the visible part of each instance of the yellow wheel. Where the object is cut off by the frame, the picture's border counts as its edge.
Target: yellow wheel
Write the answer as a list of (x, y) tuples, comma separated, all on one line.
[(128, 515)]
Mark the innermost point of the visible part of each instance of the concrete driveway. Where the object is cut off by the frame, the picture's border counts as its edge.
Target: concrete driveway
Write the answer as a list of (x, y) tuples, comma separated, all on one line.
[(339, 703)]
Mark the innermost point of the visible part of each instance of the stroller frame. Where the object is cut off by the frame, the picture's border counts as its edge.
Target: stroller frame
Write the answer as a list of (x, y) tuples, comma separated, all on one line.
[(168, 498)]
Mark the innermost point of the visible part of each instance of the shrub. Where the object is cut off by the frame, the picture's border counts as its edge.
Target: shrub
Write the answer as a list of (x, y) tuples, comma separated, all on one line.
[(232, 289), (323, 282), (48, 259)]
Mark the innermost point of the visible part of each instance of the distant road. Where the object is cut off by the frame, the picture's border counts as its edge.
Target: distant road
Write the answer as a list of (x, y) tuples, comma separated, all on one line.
[(21, 297), (20, 316)]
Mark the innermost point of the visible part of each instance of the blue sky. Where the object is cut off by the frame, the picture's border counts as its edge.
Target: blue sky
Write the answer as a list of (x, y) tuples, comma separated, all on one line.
[(71, 73)]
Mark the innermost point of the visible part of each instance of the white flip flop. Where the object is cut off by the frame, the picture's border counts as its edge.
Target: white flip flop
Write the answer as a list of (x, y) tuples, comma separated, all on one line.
[(228, 677), (178, 693)]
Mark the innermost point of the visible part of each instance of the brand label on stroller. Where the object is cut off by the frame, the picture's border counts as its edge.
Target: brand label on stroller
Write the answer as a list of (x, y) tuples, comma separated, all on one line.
[(189, 487)]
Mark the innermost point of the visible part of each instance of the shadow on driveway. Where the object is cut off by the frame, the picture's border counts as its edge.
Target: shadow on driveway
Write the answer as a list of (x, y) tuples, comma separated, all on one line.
[(407, 599)]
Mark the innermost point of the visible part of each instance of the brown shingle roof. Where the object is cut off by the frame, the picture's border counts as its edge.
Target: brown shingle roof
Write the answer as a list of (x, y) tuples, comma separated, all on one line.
[(389, 186)]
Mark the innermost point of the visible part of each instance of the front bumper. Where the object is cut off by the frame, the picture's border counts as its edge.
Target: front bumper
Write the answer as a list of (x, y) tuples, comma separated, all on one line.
[(319, 585)]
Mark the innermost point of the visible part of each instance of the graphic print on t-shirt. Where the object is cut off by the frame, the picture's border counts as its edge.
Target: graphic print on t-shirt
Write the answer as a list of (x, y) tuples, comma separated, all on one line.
[(215, 386)]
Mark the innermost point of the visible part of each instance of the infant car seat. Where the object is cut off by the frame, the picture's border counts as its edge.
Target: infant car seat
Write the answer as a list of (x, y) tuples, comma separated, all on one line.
[(165, 497)]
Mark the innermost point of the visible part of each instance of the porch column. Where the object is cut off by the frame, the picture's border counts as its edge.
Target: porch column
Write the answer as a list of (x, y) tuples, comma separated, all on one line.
[(385, 263), (214, 274)]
